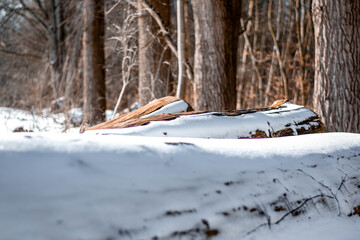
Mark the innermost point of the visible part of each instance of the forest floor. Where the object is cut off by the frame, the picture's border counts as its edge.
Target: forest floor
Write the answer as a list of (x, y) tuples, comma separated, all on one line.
[(105, 187)]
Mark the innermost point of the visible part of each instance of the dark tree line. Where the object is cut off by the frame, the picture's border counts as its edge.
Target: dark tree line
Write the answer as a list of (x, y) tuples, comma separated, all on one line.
[(237, 54)]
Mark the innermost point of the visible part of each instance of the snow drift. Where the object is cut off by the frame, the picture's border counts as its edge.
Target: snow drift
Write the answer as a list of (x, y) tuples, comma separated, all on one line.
[(73, 186)]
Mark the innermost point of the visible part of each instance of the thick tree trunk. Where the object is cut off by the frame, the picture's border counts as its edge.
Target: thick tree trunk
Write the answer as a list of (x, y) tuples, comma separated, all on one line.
[(153, 53), (94, 62), (337, 64), (216, 28)]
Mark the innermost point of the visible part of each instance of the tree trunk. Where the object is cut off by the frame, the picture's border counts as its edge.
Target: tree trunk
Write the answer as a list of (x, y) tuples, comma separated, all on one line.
[(273, 59), (277, 51), (180, 38), (153, 55), (216, 27), (56, 41), (242, 96), (94, 62), (337, 64)]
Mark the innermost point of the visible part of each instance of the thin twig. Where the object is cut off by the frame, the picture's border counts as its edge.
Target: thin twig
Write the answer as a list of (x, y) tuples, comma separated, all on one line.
[(300, 206), (288, 213), (115, 5), (323, 185)]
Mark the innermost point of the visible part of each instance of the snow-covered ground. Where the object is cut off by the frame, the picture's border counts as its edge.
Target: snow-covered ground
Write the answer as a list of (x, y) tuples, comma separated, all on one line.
[(73, 186), (13, 119), (70, 186)]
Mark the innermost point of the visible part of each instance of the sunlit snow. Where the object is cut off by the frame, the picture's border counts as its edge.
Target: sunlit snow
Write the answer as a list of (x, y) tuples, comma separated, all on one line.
[(69, 186)]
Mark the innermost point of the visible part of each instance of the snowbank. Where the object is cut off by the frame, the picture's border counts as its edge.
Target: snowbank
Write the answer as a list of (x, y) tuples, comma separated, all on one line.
[(73, 186)]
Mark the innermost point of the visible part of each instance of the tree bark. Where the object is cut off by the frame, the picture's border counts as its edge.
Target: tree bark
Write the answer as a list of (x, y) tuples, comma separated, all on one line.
[(337, 64), (56, 40), (180, 48), (94, 62), (242, 80), (153, 55), (216, 28)]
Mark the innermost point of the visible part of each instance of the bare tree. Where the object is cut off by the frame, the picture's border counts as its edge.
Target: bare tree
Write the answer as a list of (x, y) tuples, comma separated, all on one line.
[(216, 33), (303, 23), (127, 37), (56, 34), (246, 49), (337, 64), (180, 29), (277, 51), (154, 54), (94, 62), (273, 55)]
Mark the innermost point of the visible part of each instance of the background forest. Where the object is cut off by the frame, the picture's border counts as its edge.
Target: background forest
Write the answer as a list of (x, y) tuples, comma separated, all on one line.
[(43, 59)]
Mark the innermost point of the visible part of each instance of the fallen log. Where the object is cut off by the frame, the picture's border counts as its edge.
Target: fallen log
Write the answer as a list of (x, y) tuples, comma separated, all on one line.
[(163, 105), (280, 119)]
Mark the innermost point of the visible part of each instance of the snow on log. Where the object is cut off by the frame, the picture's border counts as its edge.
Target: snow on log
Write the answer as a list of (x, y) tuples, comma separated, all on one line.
[(280, 119), (163, 105)]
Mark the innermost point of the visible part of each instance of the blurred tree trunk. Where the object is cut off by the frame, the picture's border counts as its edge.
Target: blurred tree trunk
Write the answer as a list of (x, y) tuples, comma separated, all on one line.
[(154, 55), (94, 62), (56, 44), (337, 64), (277, 51), (243, 91), (301, 24), (216, 33)]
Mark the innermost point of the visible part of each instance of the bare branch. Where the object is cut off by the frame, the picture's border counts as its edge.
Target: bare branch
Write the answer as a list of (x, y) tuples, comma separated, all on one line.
[(112, 8), (27, 55), (41, 7), (34, 15), (169, 41)]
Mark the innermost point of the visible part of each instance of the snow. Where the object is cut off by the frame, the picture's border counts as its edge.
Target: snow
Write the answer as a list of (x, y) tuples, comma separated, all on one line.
[(208, 125), (12, 119), (139, 184), (88, 186), (174, 107)]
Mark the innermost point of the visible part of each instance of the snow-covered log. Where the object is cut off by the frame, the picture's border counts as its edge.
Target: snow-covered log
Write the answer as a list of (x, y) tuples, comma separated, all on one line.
[(280, 119), (163, 105)]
